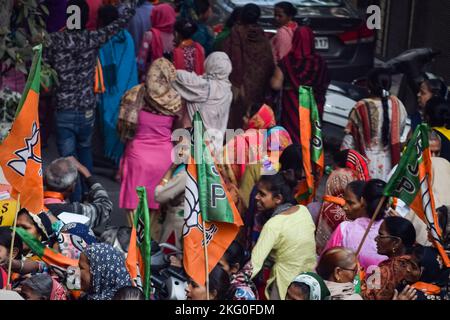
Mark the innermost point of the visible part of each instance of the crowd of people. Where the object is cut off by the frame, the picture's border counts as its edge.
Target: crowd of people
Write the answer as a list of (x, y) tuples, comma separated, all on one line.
[(160, 63)]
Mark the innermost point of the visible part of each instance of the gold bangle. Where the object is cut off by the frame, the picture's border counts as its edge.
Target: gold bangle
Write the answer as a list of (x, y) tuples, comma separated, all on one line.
[(165, 180)]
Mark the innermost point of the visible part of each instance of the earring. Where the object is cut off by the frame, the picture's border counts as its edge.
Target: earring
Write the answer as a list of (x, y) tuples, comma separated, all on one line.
[(393, 250)]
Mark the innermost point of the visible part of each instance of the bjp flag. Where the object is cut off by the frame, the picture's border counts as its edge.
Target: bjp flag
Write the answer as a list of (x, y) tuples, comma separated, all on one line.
[(312, 145), (411, 182), (206, 200), (20, 151)]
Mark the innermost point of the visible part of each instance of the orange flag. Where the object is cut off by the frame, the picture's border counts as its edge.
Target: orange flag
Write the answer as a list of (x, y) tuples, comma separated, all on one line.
[(312, 145), (20, 152), (206, 199)]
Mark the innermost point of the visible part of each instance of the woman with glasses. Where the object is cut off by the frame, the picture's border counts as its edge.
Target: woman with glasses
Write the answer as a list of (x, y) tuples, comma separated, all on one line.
[(338, 267), (396, 239), (361, 201)]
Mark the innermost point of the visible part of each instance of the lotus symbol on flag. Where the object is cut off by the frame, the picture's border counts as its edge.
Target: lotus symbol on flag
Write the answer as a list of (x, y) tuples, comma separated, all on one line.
[(20, 165), (192, 210)]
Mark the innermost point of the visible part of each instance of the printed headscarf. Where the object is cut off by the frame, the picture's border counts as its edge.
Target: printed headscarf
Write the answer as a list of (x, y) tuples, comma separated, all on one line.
[(108, 272), (156, 96), (318, 290), (73, 238)]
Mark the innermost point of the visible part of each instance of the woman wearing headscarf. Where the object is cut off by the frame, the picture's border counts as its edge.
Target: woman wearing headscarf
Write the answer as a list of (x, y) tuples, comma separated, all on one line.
[(102, 271), (307, 286), (251, 55), (118, 62), (146, 119), (303, 66), (159, 40), (245, 153), (209, 94), (350, 166)]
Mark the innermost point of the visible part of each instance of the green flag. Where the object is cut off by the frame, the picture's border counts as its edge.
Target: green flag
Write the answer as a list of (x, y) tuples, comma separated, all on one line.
[(138, 258), (412, 181), (214, 204)]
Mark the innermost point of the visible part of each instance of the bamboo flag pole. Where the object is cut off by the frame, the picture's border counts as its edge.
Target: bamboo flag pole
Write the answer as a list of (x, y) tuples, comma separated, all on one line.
[(12, 240), (382, 200), (206, 260)]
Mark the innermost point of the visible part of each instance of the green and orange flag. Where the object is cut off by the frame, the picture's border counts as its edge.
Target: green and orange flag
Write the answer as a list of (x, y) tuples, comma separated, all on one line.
[(139, 251), (411, 182), (206, 200), (20, 151), (53, 259), (312, 145)]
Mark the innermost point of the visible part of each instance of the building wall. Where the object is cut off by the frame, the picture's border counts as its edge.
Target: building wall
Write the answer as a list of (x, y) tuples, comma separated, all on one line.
[(431, 28), (410, 24)]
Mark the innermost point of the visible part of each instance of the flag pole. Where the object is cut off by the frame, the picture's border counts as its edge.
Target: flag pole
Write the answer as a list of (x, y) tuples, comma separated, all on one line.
[(382, 200), (206, 260), (12, 240)]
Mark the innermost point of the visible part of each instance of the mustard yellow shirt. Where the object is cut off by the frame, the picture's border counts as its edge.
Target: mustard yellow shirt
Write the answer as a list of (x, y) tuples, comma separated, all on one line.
[(289, 240)]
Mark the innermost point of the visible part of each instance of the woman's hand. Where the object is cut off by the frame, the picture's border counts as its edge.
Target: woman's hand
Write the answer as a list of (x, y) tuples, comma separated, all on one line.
[(408, 293), (277, 79)]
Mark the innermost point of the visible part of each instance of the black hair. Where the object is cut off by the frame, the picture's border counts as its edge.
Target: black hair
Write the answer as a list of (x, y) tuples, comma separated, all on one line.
[(219, 281), (372, 194), (291, 158), (437, 112), (340, 158), (6, 238), (236, 253), (254, 108), (303, 287), (288, 8), (84, 11), (437, 87), (357, 188), (129, 293), (234, 17), (250, 14), (379, 83), (107, 14), (402, 228), (41, 284), (201, 6), (280, 183), (46, 223), (185, 28)]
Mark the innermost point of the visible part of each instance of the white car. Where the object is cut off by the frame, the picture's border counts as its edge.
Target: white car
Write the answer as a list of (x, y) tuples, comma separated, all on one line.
[(340, 99)]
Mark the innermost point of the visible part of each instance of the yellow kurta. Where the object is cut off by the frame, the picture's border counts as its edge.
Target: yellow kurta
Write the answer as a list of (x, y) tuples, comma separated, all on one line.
[(289, 239)]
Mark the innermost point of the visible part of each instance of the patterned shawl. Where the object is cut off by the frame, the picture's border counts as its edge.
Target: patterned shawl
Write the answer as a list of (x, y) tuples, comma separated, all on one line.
[(332, 214), (363, 124), (303, 66), (359, 164), (108, 272), (156, 96)]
